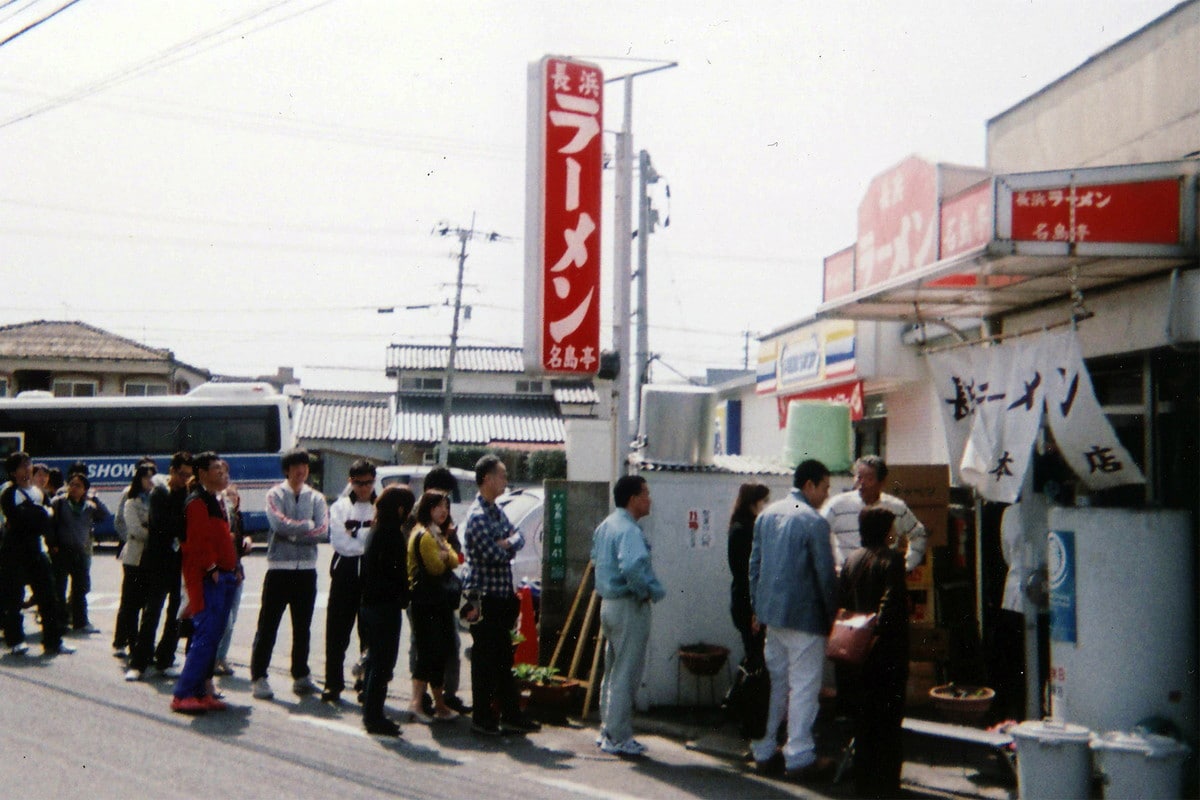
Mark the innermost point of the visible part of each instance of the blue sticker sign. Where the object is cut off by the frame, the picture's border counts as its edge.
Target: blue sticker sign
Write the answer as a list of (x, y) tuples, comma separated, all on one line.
[(1061, 566)]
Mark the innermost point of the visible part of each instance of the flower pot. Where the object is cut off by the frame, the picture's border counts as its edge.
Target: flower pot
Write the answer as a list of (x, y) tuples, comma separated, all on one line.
[(962, 705), (703, 659), (554, 693)]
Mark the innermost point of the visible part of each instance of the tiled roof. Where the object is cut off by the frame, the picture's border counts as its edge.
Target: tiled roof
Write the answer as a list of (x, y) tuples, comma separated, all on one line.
[(76, 340), (406, 357), (575, 393), (735, 465), (481, 419), (360, 420)]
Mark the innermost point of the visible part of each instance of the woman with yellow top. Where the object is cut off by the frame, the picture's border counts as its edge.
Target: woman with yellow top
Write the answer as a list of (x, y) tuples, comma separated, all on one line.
[(430, 558)]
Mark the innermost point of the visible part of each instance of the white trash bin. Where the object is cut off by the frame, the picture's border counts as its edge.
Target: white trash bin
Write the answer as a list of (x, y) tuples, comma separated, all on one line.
[(1053, 760), (1142, 765)]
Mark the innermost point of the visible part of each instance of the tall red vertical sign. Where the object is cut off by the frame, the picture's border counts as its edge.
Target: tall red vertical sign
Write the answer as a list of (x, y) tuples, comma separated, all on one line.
[(564, 159)]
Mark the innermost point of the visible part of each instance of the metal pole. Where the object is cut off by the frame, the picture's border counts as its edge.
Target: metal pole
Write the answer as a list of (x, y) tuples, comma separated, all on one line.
[(643, 330), (447, 401), (622, 226)]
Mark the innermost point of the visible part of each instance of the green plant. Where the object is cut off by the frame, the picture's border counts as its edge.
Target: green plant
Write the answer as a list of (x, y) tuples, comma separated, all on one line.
[(532, 673)]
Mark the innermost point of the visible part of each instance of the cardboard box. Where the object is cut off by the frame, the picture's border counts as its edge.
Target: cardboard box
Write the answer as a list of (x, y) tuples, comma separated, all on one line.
[(919, 484), (936, 521)]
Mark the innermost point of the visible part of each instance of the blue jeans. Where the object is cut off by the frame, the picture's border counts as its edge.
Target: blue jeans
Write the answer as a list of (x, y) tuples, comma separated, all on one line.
[(207, 628), (625, 622)]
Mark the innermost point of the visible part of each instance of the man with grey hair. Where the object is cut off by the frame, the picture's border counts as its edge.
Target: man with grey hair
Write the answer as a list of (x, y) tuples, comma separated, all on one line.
[(842, 512)]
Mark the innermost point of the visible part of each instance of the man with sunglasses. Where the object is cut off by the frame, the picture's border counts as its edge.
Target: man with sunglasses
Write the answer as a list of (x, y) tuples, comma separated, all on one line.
[(349, 523)]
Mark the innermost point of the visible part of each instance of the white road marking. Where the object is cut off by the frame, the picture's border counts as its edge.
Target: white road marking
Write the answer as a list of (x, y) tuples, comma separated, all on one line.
[(331, 725)]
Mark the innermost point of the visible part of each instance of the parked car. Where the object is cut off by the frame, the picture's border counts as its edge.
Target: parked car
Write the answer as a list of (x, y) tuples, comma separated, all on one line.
[(413, 475), (523, 507)]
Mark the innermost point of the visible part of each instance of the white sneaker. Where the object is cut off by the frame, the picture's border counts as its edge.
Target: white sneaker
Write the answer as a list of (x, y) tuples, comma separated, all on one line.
[(261, 690), (19, 649), (132, 674), (629, 747), (169, 672), (304, 685)]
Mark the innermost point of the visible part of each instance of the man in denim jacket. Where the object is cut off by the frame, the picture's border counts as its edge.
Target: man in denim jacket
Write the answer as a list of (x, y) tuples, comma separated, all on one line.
[(793, 590)]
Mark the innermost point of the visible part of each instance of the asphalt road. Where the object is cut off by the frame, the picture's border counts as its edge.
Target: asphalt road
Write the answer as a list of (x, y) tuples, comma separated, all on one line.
[(72, 727)]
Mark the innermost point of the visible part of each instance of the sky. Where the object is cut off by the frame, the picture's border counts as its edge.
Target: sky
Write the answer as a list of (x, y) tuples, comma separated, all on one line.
[(246, 183)]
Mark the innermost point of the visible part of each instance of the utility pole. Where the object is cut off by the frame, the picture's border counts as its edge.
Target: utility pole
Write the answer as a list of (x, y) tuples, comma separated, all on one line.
[(622, 222), (464, 235), (647, 219)]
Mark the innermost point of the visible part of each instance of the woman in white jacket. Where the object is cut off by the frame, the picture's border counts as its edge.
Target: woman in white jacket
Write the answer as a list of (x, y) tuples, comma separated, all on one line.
[(135, 517)]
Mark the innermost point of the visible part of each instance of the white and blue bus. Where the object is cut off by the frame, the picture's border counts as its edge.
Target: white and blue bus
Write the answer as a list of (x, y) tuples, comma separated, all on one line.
[(247, 423)]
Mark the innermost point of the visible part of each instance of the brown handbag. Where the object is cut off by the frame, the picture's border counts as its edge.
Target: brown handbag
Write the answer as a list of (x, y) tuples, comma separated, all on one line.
[(852, 637)]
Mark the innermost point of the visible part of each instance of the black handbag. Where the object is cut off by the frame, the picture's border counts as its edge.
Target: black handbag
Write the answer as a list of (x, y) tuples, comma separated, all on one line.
[(748, 698)]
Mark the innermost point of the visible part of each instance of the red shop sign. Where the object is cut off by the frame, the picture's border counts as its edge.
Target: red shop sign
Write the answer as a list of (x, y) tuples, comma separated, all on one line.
[(1145, 212), (562, 260), (849, 393)]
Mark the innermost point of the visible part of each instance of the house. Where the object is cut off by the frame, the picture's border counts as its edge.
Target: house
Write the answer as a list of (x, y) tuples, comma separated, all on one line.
[(74, 359), (495, 403)]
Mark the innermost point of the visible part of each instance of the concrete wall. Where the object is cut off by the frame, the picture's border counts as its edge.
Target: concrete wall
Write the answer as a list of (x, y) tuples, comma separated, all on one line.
[(1136, 102), (693, 567), (589, 450)]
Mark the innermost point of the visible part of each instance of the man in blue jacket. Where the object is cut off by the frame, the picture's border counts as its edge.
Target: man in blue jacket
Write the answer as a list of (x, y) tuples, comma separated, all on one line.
[(626, 584), (793, 591)]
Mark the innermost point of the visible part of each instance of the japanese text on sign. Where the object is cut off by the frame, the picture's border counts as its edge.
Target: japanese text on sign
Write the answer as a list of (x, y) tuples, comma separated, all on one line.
[(563, 217)]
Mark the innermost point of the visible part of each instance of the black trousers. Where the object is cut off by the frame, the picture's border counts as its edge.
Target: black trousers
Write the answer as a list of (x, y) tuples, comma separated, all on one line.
[(433, 634), (492, 660), (18, 569), (75, 566), (133, 597), (161, 587), (341, 614), (382, 632), (295, 590)]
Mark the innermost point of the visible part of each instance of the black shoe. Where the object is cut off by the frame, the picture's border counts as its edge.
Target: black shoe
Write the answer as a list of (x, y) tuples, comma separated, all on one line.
[(520, 725), (455, 702), (331, 696), (427, 704), (486, 729), (772, 766), (382, 727)]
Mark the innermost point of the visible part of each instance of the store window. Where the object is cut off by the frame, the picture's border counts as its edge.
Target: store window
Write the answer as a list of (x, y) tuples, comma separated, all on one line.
[(69, 388)]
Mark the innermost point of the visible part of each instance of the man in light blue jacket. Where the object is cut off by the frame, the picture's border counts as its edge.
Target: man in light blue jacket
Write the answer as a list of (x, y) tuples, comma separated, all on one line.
[(792, 588), (626, 584)]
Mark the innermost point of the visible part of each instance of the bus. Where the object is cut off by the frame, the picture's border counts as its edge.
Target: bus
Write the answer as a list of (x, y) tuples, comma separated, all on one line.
[(249, 424)]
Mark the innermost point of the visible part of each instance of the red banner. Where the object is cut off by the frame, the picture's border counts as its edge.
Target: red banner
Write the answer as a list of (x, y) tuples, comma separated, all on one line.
[(1145, 212), (849, 393), (563, 262)]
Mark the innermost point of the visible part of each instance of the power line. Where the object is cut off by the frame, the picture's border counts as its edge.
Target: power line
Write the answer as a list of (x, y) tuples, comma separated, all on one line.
[(158, 60), (33, 25), (8, 3)]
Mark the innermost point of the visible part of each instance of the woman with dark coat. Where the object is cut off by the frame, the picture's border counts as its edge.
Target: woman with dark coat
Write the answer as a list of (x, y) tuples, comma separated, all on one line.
[(872, 580), (751, 499), (384, 583)]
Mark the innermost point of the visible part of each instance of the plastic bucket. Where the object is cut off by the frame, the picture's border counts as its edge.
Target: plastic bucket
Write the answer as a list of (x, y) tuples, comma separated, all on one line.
[(1053, 760), (1142, 765)]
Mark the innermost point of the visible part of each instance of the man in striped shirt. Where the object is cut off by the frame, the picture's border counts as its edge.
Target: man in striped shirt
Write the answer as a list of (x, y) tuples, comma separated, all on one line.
[(842, 514)]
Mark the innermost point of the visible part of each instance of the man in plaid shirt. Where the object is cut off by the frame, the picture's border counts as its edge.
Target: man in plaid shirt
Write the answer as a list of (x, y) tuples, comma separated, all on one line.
[(492, 542)]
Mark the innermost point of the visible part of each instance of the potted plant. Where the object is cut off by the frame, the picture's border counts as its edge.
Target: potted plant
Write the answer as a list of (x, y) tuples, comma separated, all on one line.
[(545, 686)]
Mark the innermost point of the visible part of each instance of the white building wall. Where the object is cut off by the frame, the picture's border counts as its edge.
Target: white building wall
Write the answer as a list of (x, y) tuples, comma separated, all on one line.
[(1136, 102), (914, 429)]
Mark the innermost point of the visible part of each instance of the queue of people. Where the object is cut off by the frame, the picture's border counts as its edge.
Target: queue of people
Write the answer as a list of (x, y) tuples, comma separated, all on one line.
[(395, 551)]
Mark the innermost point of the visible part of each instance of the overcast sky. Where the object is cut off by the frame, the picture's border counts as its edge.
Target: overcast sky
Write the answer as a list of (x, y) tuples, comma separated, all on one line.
[(246, 182)]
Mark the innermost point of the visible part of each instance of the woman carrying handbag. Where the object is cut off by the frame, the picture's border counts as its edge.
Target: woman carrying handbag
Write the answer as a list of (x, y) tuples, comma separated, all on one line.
[(872, 581)]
